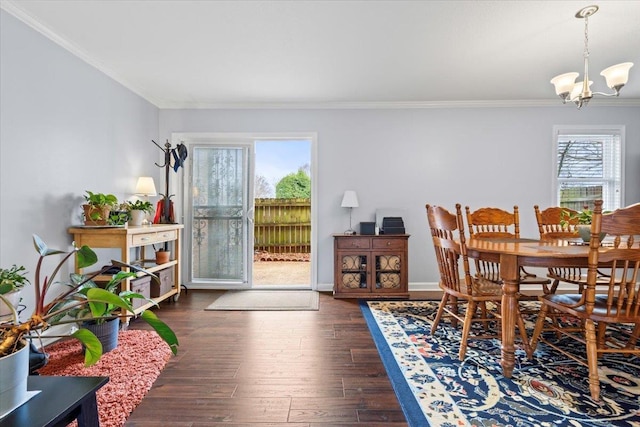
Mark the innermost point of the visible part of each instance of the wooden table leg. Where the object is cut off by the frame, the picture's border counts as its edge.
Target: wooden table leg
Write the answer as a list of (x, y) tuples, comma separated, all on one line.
[(509, 270)]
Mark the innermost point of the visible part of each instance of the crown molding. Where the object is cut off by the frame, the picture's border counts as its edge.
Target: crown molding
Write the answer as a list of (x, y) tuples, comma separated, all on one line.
[(399, 105), (13, 7)]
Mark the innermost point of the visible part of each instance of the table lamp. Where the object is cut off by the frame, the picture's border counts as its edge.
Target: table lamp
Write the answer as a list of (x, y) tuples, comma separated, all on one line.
[(145, 187), (350, 200)]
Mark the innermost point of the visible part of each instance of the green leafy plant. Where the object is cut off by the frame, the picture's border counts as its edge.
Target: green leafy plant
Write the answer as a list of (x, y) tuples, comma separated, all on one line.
[(12, 279), (119, 215), (98, 205), (100, 312), (56, 303), (140, 205), (582, 217), (100, 199)]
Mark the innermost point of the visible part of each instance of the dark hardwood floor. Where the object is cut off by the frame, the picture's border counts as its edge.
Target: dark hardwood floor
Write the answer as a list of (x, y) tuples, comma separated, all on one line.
[(269, 368)]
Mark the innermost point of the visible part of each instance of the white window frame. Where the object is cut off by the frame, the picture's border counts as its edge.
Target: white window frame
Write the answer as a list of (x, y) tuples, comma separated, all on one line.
[(610, 201)]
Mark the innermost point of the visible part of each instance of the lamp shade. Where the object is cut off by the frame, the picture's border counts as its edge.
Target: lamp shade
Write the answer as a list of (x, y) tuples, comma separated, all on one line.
[(564, 83), (145, 186), (350, 199), (617, 75)]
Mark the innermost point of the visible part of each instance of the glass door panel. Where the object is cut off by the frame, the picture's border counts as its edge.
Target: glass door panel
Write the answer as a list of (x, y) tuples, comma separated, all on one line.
[(219, 214)]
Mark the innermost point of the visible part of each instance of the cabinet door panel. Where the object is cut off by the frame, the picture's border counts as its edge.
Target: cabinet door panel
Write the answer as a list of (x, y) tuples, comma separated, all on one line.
[(388, 272), (353, 272)]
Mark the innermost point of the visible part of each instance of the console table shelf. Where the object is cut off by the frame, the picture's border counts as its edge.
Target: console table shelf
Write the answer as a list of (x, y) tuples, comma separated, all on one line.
[(131, 237)]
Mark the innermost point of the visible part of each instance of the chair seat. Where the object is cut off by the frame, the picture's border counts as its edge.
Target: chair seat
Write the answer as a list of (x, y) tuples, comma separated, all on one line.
[(484, 287), (564, 302)]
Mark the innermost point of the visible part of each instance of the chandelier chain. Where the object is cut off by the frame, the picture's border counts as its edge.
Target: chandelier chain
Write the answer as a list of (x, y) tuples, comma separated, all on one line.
[(586, 36)]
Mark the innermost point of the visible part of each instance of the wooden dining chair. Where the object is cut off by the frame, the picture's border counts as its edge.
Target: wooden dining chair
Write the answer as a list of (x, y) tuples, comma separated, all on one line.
[(604, 322), (496, 223), (465, 299), (560, 223)]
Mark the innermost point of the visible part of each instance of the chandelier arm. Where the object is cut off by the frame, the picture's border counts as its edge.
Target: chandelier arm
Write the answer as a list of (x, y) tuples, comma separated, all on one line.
[(616, 93)]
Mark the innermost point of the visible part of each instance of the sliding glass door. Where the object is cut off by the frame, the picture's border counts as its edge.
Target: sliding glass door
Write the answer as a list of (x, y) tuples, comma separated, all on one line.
[(219, 214)]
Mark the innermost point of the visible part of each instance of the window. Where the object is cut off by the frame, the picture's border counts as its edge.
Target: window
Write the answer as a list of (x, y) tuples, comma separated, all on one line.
[(589, 167)]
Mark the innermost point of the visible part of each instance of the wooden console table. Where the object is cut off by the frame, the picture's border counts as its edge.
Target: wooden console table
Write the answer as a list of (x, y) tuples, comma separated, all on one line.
[(60, 401), (127, 238)]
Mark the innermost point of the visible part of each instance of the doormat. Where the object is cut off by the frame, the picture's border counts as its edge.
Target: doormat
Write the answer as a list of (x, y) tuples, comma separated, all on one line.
[(266, 300)]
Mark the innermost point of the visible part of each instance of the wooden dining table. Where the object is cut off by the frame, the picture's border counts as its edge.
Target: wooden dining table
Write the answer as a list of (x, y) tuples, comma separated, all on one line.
[(512, 254)]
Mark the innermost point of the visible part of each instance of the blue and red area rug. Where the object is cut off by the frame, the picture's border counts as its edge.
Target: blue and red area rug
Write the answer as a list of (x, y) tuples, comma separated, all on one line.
[(435, 389)]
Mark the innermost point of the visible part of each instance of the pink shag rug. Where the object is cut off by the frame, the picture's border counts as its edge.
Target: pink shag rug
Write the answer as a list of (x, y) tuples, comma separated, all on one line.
[(132, 368)]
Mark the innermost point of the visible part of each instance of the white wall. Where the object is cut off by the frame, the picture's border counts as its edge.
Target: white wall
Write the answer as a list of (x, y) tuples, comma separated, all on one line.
[(407, 158), (65, 128)]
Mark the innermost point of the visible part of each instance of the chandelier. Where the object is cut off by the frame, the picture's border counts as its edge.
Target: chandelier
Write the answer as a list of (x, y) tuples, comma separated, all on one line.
[(580, 92)]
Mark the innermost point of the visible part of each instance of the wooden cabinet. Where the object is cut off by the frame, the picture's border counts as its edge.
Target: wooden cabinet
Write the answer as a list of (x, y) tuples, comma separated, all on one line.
[(371, 266), (138, 238)]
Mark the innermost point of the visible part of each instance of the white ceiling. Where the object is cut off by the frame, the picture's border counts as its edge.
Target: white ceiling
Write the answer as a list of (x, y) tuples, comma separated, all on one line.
[(195, 54)]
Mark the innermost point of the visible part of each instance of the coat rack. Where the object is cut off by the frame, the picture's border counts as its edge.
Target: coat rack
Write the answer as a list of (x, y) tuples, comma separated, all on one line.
[(164, 211)]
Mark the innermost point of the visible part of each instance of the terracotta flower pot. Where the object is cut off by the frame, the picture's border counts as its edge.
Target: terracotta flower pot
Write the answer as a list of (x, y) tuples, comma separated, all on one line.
[(162, 257)]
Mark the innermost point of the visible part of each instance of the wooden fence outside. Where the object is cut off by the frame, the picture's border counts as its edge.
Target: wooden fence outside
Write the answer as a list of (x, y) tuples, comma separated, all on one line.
[(282, 225), (577, 197)]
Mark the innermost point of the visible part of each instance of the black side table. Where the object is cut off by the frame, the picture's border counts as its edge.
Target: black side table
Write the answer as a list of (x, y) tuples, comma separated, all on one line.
[(60, 401)]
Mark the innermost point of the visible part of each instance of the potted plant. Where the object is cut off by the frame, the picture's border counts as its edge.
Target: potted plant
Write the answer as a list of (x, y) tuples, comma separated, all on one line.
[(12, 280), (582, 219), (55, 304), (138, 210), (163, 255), (97, 207), (119, 215)]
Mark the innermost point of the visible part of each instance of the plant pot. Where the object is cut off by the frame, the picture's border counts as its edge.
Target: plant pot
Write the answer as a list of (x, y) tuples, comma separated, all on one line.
[(13, 298), (137, 217), (107, 333), (585, 233), (14, 371), (162, 257), (94, 215)]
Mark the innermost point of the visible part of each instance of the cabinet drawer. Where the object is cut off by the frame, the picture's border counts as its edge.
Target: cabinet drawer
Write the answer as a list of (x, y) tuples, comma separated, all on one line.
[(389, 243), (164, 236), (155, 237), (353, 243)]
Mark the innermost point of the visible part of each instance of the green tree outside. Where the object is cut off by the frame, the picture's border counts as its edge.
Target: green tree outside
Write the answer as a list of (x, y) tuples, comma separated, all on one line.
[(294, 185)]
